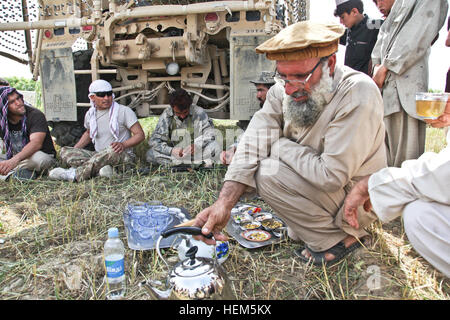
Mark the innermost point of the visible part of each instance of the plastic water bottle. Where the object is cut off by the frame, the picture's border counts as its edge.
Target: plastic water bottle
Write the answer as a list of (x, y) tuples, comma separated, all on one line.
[(114, 253)]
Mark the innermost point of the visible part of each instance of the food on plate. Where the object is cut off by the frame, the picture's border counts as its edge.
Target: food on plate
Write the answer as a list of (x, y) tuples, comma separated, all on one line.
[(256, 235), (250, 225), (262, 216), (241, 218), (272, 224), (250, 209)]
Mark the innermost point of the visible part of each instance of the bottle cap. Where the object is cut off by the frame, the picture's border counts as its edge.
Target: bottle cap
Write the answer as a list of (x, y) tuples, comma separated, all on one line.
[(113, 233)]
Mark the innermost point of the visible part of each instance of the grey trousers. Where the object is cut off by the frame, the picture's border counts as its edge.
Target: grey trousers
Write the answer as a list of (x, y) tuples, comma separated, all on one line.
[(405, 138)]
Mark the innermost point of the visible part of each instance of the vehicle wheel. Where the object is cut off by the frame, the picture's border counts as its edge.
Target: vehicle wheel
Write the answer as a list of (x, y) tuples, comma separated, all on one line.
[(67, 133), (243, 124)]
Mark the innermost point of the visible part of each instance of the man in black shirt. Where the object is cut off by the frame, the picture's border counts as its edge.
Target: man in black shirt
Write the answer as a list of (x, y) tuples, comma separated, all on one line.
[(26, 138), (360, 36)]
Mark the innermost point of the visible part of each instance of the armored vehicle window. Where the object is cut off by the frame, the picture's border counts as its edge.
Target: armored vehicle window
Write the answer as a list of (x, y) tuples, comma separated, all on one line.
[(74, 30), (234, 17), (252, 15), (59, 31)]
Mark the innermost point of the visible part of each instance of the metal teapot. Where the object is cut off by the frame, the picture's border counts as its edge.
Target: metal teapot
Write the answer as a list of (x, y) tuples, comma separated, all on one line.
[(220, 251), (195, 278)]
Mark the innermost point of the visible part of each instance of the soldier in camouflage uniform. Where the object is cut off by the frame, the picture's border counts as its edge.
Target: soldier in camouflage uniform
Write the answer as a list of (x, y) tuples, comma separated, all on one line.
[(262, 84), (114, 131), (184, 134)]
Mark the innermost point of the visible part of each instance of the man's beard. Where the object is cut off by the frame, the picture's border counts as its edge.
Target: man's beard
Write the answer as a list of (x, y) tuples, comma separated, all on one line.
[(306, 113)]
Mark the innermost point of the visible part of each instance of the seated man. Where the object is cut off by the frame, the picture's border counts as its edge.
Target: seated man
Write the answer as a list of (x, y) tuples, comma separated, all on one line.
[(263, 84), (25, 135), (113, 129), (320, 130), (418, 191), (187, 122)]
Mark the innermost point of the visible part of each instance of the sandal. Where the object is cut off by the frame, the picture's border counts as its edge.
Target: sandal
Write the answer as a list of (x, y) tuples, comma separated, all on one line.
[(318, 258)]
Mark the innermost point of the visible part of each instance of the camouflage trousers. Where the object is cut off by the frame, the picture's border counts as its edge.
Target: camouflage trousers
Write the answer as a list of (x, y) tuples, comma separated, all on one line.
[(210, 154), (88, 163)]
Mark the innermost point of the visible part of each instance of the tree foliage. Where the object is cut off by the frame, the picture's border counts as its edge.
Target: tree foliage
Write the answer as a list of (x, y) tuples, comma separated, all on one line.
[(27, 85)]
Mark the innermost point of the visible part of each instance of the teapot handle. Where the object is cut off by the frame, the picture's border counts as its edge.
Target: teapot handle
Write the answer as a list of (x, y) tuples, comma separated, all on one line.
[(195, 231)]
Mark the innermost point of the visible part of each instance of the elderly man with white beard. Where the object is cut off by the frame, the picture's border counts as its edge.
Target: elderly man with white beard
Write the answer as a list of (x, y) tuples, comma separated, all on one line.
[(320, 130)]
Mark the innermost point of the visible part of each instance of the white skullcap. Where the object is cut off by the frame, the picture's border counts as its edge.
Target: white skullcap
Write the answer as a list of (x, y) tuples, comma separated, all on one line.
[(99, 86), (339, 2)]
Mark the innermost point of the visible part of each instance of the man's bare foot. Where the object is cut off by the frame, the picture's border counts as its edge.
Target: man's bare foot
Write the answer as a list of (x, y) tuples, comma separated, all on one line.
[(348, 241)]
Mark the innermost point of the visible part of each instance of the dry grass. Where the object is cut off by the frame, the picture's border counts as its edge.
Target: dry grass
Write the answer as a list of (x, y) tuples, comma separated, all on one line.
[(54, 234)]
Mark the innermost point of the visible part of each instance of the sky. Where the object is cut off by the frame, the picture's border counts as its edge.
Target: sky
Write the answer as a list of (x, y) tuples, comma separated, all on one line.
[(321, 10)]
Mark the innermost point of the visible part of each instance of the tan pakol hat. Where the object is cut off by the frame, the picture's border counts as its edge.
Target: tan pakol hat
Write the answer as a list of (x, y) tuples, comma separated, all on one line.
[(303, 40)]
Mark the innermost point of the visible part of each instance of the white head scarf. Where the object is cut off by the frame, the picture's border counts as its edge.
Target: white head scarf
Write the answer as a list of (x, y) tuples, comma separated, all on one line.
[(102, 86)]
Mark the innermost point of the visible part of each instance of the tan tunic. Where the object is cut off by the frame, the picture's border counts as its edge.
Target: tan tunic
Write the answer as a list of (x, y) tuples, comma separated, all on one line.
[(304, 174)]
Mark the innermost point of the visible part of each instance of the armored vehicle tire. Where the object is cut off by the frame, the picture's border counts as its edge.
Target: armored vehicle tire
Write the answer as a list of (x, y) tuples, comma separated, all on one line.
[(67, 133), (243, 124)]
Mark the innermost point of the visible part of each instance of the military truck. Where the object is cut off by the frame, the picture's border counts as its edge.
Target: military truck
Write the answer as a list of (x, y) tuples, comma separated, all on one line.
[(145, 49)]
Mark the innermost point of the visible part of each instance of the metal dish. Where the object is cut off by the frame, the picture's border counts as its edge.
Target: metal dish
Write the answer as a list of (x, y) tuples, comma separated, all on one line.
[(250, 225), (256, 235), (272, 224), (239, 218), (263, 216)]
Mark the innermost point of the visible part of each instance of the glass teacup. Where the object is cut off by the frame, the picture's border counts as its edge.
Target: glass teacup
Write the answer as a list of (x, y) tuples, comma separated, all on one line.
[(431, 105)]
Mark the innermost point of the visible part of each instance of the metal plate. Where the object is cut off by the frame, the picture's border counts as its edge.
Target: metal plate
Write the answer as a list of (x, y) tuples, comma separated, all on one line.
[(135, 243), (58, 85), (235, 231)]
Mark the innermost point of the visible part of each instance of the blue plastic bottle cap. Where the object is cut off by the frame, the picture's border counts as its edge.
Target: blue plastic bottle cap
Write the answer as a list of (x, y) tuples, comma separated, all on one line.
[(113, 233)]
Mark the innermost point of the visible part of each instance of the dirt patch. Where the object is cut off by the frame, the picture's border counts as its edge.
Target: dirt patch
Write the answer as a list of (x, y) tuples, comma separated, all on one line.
[(17, 217)]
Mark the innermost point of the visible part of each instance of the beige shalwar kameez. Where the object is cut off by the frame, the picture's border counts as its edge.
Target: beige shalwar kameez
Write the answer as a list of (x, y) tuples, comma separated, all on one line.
[(305, 173), (403, 47)]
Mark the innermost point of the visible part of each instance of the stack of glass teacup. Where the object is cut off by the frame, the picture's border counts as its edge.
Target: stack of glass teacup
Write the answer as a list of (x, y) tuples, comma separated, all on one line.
[(147, 219)]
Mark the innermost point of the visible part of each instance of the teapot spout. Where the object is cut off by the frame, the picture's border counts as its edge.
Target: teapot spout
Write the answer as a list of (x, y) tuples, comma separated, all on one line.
[(156, 293)]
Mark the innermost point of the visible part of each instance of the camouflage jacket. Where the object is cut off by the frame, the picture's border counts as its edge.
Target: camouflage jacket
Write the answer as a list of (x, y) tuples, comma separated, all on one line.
[(171, 131)]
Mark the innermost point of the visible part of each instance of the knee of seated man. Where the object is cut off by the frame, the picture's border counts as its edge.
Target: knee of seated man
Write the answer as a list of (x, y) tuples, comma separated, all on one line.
[(413, 217), (150, 156)]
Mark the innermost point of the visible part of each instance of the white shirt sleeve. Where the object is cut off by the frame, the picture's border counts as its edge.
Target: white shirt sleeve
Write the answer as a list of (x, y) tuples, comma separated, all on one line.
[(427, 179)]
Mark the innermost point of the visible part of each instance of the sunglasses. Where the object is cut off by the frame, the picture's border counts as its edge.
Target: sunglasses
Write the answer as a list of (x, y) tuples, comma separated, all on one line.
[(103, 94)]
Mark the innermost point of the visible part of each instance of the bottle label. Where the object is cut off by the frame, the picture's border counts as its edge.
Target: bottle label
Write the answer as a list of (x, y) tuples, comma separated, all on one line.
[(114, 268)]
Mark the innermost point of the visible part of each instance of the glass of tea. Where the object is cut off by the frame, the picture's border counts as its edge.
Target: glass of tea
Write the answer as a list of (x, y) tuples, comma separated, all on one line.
[(431, 105)]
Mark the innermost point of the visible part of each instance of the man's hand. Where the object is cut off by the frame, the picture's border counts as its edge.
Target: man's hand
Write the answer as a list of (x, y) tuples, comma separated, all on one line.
[(379, 75), (227, 156), (8, 165), (117, 147), (188, 150), (443, 120), (177, 152), (359, 195), (215, 218)]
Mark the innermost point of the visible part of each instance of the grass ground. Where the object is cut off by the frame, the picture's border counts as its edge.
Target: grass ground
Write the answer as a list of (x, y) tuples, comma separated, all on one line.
[(52, 236)]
